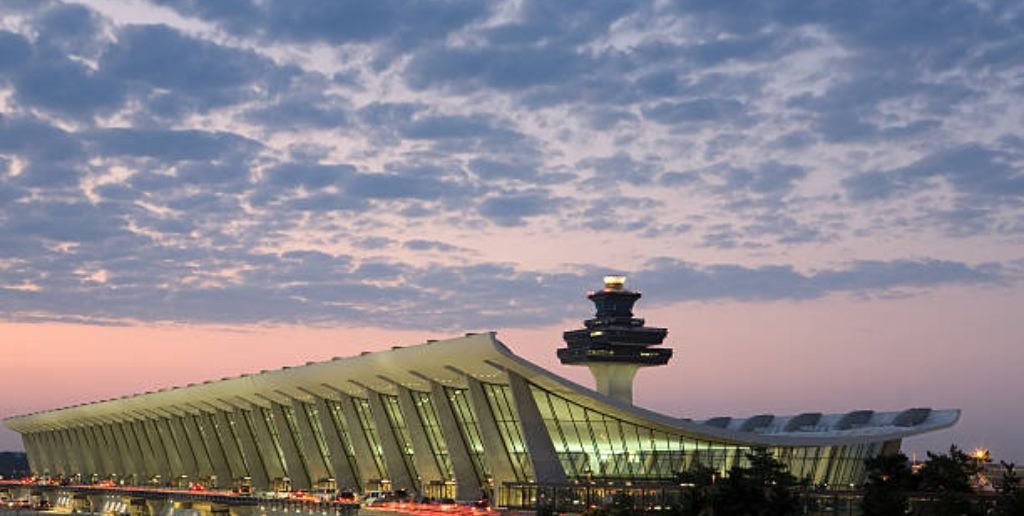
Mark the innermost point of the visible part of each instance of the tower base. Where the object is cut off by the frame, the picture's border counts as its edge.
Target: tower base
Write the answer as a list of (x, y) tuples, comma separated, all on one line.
[(615, 379)]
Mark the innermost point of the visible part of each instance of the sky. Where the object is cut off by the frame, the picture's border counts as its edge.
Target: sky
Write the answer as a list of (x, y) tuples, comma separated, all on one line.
[(823, 201)]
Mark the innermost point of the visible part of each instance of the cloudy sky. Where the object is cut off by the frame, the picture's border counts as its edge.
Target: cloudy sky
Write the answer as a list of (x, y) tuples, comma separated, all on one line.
[(823, 201)]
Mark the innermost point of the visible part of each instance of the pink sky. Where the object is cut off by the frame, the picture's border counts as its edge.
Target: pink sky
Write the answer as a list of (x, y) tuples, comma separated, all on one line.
[(955, 347)]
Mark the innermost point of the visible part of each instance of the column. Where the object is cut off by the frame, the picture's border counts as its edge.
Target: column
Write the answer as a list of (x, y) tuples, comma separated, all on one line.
[(218, 459), (65, 460), (296, 462), (231, 451), (175, 467), (94, 454), (360, 443), (547, 468), (107, 455), (204, 468), (257, 468), (494, 445), (423, 454), (35, 462), (343, 471), (176, 425), (74, 451), (306, 439), (116, 437), (400, 475), (133, 429), (162, 450), (264, 444), (467, 484)]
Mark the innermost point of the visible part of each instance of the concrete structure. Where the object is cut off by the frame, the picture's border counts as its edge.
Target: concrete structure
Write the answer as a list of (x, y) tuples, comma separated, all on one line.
[(614, 344), (449, 418)]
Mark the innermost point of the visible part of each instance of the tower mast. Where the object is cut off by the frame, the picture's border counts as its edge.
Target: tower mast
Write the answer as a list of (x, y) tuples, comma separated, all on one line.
[(614, 344)]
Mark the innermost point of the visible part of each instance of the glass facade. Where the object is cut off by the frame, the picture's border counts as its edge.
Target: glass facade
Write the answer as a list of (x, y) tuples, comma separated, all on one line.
[(237, 440), (432, 428), (591, 442), (362, 407), (203, 448), (250, 424), (595, 445), (312, 415), (275, 438), (499, 397), (469, 430), (293, 429), (401, 432), (341, 427)]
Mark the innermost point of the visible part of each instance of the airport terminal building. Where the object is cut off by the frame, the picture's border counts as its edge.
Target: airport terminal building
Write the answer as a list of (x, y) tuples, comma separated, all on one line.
[(460, 418)]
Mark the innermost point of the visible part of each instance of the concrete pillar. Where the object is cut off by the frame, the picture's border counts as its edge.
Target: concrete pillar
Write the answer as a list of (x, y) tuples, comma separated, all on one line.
[(58, 457), (494, 445), (614, 379), (257, 469), (106, 459), (35, 464), (158, 450), (264, 442), (343, 471), (547, 468), (360, 443), (176, 426), (93, 454), (75, 452), (118, 439), (296, 463), (173, 452), (231, 451), (423, 455), (467, 484), (218, 459), (306, 440), (144, 448), (66, 454), (203, 466), (90, 455), (401, 477)]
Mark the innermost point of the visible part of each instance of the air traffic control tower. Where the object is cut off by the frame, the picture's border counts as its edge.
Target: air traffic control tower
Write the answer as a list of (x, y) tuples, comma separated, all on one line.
[(614, 344)]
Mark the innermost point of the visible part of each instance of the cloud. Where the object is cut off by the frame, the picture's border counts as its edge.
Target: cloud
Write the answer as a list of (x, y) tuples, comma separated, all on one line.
[(184, 157), (196, 72), (980, 172), (171, 145), (513, 208)]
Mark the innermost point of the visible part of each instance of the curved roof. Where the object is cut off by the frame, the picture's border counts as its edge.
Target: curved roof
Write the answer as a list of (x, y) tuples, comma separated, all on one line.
[(483, 357)]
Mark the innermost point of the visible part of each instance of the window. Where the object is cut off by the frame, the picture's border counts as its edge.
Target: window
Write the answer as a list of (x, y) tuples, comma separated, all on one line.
[(401, 431), (500, 399), (312, 415), (362, 407), (341, 427), (469, 430), (432, 428), (275, 438)]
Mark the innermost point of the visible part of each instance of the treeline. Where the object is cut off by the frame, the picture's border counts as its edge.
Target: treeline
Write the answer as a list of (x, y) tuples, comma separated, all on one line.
[(13, 464), (942, 486)]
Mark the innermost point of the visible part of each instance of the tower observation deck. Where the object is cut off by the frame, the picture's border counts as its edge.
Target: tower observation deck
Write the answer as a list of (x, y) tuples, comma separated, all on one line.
[(614, 344)]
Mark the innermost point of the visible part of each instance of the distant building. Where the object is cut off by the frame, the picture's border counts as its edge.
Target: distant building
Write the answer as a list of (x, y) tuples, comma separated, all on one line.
[(456, 417)]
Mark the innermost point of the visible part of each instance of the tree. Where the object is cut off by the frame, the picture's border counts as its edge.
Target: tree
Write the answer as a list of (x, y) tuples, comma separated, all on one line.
[(764, 488), (1011, 496), (697, 500), (949, 477), (889, 477)]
